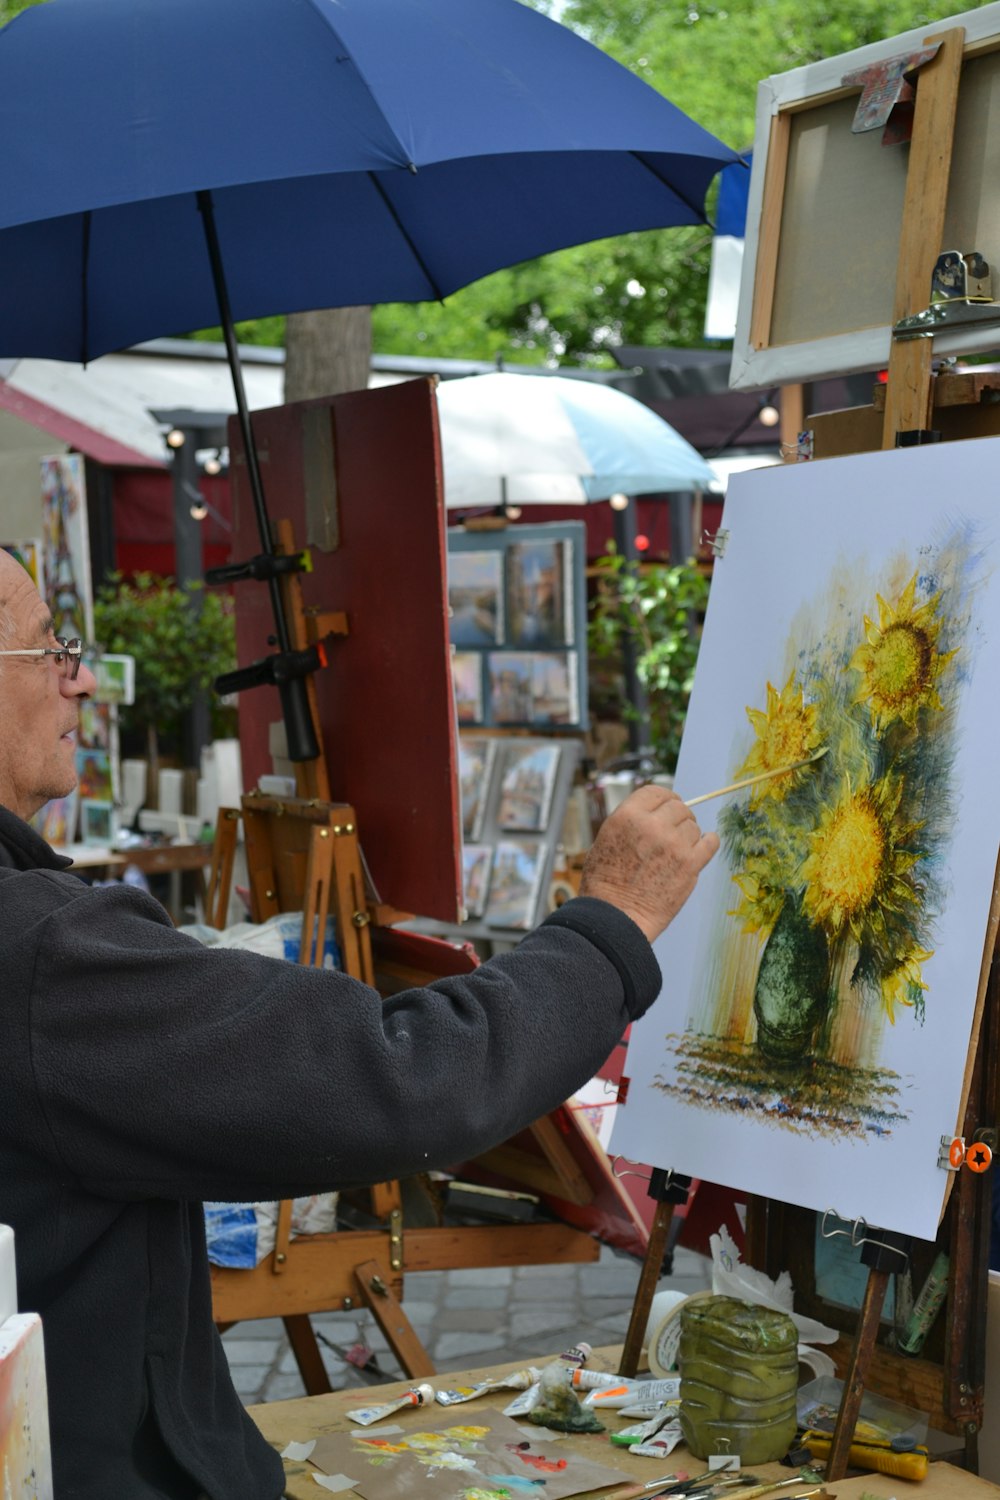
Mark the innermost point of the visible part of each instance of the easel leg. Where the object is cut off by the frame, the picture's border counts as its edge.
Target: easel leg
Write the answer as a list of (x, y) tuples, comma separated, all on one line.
[(885, 1254), (668, 1190), (378, 1297), (307, 1355)]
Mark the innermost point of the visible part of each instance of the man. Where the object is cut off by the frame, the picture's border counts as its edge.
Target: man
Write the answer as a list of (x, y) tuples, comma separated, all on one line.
[(142, 1073)]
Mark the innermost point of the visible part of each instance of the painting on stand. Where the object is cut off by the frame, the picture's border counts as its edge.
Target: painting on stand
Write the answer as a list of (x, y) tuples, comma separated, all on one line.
[(824, 980)]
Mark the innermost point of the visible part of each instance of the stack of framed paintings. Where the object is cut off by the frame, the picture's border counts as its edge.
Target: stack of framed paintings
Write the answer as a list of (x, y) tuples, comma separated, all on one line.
[(513, 794), (517, 610)]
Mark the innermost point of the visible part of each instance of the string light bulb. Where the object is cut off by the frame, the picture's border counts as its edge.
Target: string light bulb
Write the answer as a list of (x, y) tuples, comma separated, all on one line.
[(769, 416), (175, 438), (618, 502)]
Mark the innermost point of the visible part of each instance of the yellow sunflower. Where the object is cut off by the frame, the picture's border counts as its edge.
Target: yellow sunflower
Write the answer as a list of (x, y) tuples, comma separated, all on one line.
[(857, 868), (900, 664), (786, 732), (762, 895), (901, 984)]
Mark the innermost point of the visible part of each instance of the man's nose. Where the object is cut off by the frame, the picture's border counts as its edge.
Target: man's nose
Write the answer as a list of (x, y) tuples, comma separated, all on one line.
[(80, 686)]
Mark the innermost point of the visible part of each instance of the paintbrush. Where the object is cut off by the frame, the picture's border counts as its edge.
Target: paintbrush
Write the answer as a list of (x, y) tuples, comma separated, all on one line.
[(736, 786)]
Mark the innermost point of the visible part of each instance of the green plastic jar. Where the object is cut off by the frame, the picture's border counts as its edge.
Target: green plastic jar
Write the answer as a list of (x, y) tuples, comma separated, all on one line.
[(739, 1373)]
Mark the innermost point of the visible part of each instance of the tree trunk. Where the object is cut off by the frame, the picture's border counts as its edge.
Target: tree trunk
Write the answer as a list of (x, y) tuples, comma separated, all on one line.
[(327, 352)]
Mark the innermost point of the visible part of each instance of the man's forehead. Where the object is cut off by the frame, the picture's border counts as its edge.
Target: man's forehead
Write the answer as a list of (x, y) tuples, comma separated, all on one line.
[(20, 598)]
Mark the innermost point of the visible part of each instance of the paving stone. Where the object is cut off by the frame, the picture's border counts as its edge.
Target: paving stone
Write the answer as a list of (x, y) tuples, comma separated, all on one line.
[(249, 1380), (543, 1323), (545, 1289), (472, 1296), (456, 1350), (254, 1351), (471, 1320), (282, 1388), (255, 1328), (483, 1276)]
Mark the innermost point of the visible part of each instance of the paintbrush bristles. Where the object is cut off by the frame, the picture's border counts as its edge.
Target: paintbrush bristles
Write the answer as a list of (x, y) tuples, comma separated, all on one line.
[(737, 786)]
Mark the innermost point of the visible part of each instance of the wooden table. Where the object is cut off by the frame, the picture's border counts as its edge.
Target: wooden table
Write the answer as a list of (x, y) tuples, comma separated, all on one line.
[(173, 860), (283, 1422)]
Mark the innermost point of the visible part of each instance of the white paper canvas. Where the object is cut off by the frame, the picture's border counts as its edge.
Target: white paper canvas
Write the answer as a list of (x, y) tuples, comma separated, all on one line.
[(811, 1039)]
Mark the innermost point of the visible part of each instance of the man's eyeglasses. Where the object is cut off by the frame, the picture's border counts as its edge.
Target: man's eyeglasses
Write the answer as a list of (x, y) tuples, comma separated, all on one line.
[(67, 654)]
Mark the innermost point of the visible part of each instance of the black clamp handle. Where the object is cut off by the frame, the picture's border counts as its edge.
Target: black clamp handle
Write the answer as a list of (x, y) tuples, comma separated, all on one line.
[(263, 568)]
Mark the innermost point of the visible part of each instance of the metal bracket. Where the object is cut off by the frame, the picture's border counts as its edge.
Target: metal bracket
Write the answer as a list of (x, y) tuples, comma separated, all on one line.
[(951, 1152), (944, 315), (396, 1239)]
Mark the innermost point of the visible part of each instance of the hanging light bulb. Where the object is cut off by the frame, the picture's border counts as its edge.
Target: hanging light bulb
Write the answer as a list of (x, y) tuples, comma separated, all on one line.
[(769, 416), (618, 502), (199, 511), (175, 438)]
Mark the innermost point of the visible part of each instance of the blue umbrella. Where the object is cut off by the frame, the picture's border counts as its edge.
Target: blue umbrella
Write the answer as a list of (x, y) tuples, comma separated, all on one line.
[(169, 164), (356, 151), (511, 439)]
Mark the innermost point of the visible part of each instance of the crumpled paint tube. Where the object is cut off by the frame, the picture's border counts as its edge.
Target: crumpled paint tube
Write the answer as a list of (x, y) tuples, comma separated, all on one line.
[(519, 1380), (366, 1415)]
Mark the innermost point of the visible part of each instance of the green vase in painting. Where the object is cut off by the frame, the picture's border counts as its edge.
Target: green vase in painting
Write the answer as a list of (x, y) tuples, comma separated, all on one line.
[(792, 994)]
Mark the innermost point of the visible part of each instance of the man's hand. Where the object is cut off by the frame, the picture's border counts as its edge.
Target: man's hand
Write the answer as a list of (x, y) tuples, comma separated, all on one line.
[(647, 858)]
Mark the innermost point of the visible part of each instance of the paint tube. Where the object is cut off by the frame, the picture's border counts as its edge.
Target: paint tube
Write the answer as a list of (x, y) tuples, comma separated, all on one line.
[(524, 1402), (647, 1409), (519, 1380), (659, 1445), (666, 1421), (926, 1308), (628, 1393), (597, 1380), (366, 1415), (578, 1355)]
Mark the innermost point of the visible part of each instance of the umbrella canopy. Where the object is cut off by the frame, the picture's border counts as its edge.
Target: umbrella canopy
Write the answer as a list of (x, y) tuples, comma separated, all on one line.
[(356, 151), (530, 439)]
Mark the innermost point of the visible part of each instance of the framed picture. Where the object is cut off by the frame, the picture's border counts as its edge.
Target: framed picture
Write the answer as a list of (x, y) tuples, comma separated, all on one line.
[(539, 594), (97, 821), (115, 679), (95, 725), (518, 612), (475, 766), (94, 775), (554, 699), (529, 778), (66, 582), (511, 686), (475, 598), (514, 883), (467, 678), (477, 861), (56, 821)]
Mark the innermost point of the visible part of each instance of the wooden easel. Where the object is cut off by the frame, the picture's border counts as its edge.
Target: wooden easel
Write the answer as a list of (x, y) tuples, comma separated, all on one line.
[(915, 406), (304, 854)]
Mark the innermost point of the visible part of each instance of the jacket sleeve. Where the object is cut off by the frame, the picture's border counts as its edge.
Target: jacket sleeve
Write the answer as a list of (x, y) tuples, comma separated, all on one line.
[(167, 1069)]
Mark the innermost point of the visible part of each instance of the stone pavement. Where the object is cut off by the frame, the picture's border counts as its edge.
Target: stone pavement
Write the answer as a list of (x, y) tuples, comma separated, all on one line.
[(465, 1319)]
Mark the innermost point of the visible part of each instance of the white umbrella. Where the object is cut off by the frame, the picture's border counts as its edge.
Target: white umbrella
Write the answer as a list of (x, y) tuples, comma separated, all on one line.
[(549, 440)]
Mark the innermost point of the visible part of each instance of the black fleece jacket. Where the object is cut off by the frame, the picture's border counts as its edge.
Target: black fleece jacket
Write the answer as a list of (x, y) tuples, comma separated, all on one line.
[(143, 1073)]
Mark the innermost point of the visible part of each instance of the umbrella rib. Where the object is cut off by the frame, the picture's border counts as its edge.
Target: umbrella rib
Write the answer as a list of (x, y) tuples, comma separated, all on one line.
[(699, 213), (84, 287), (377, 185)]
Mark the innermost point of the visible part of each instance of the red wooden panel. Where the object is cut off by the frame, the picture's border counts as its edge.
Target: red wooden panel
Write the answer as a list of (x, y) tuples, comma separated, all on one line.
[(385, 700)]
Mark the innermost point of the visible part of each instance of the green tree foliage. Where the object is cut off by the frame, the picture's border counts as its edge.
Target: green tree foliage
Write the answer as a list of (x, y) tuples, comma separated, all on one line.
[(659, 609), (181, 638), (11, 8)]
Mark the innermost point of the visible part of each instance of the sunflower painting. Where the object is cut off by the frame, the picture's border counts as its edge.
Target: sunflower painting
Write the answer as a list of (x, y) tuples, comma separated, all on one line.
[(821, 986)]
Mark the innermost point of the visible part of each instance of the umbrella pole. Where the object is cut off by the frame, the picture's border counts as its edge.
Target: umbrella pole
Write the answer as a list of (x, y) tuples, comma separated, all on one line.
[(299, 726)]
